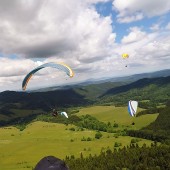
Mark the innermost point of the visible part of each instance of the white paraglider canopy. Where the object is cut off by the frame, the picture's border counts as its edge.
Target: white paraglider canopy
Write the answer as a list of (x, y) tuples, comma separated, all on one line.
[(64, 113), (132, 107)]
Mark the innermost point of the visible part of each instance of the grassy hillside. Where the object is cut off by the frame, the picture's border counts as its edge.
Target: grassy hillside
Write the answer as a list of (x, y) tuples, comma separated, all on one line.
[(118, 115), (18, 105), (21, 150), (93, 91), (154, 91)]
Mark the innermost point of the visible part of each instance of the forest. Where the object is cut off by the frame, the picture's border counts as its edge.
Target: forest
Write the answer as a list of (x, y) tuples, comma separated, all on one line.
[(131, 157)]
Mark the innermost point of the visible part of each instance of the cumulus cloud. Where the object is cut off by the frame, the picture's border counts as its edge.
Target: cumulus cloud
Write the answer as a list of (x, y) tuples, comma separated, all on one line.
[(12, 68), (71, 32), (48, 28), (135, 35), (133, 10), (130, 18), (149, 49)]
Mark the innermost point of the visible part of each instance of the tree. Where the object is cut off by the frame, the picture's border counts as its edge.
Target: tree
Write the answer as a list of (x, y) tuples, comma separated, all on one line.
[(98, 135)]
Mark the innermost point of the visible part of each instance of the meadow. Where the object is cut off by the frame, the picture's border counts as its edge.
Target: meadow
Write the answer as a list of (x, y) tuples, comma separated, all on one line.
[(21, 150), (118, 115)]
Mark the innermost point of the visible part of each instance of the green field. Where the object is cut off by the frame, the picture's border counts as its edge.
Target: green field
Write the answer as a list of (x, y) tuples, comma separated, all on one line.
[(21, 150), (118, 115)]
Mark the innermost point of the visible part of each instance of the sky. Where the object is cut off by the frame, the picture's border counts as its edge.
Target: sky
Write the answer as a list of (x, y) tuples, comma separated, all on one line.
[(88, 35)]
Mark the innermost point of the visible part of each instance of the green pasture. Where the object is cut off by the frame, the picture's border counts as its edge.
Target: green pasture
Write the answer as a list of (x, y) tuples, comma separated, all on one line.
[(21, 150), (118, 115)]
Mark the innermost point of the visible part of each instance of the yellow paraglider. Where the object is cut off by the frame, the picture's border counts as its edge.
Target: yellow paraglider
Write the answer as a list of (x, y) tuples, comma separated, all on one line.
[(125, 55)]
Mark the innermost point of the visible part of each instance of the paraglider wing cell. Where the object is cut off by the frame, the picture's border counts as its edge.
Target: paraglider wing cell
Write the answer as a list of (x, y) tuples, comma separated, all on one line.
[(59, 66), (28, 77)]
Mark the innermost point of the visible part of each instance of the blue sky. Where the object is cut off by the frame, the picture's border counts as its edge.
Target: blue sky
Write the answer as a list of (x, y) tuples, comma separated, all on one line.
[(106, 9), (89, 38)]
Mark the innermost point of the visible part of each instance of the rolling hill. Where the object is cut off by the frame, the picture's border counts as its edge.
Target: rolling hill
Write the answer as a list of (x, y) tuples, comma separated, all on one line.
[(154, 91), (149, 91), (122, 80)]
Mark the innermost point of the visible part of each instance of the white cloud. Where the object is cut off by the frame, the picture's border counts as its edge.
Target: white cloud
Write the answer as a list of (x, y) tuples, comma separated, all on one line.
[(168, 26), (155, 27), (150, 50), (131, 18), (96, 1), (133, 10), (135, 35), (54, 28), (11, 67), (71, 32)]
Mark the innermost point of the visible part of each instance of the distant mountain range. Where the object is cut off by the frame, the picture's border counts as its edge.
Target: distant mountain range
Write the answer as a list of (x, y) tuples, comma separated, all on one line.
[(139, 84), (124, 79)]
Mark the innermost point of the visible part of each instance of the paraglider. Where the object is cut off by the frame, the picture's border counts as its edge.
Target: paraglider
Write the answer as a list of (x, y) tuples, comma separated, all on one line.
[(64, 114), (56, 113), (59, 66), (132, 107), (125, 56)]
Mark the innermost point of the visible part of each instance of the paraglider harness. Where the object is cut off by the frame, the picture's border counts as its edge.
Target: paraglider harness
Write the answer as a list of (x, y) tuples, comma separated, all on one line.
[(51, 107), (55, 113)]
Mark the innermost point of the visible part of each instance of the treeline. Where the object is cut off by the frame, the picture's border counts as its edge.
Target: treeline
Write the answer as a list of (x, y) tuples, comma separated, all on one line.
[(85, 121), (18, 122), (162, 123), (159, 130), (131, 157), (148, 134), (89, 122), (150, 111), (138, 95)]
